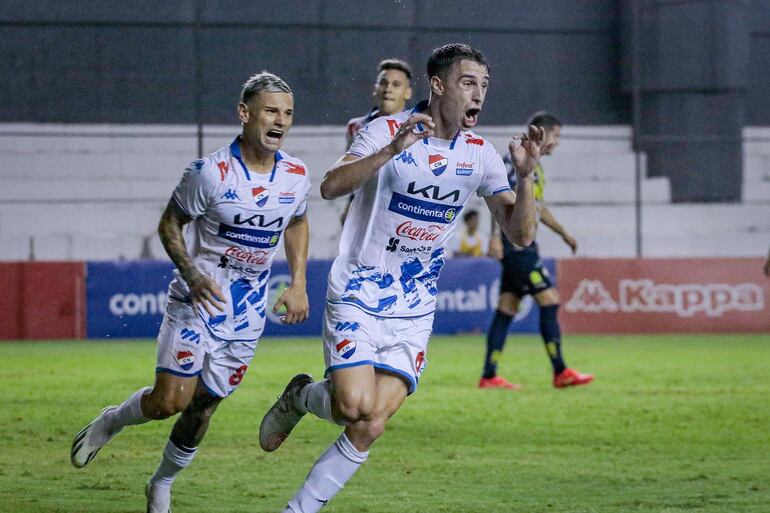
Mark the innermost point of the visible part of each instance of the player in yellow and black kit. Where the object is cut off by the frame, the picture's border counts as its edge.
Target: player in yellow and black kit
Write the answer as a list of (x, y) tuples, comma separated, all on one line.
[(524, 274)]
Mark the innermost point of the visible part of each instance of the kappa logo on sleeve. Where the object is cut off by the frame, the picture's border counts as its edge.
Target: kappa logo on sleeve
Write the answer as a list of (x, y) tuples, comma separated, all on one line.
[(231, 195), (407, 158)]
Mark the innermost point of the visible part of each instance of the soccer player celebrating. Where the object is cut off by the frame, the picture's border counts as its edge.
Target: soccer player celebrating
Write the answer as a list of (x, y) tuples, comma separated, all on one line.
[(413, 173), (392, 90), (523, 274), (240, 200)]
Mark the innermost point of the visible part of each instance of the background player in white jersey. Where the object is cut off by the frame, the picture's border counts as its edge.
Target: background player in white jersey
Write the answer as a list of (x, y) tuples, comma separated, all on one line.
[(413, 173), (392, 89), (239, 200)]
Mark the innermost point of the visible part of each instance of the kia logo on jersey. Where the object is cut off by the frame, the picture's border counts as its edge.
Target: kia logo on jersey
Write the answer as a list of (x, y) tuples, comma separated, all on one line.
[(437, 163), (260, 195), (346, 348)]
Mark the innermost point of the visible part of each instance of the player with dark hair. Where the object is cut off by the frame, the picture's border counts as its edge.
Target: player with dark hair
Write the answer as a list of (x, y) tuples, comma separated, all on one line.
[(392, 89), (413, 174), (239, 202), (524, 274)]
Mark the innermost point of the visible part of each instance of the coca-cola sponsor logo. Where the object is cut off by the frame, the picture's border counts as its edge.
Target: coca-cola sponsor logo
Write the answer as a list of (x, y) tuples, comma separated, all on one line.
[(428, 233), (250, 257), (683, 300)]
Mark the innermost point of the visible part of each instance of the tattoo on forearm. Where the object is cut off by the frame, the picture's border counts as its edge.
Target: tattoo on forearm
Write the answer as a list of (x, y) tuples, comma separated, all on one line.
[(170, 232)]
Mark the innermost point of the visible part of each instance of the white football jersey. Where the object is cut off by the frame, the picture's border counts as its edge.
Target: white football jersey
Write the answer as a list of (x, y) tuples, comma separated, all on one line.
[(238, 218), (393, 242)]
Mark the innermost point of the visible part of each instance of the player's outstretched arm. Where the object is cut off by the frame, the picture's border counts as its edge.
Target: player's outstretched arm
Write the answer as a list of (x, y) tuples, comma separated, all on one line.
[(351, 172), (515, 214), (294, 298), (203, 290), (550, 221)]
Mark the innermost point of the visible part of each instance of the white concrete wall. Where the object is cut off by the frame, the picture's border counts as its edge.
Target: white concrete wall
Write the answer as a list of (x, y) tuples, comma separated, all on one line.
[(96, 192)]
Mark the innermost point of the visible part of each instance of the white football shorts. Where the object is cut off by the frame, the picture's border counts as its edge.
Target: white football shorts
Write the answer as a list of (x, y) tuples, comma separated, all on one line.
[(187, 348), (398, 346)]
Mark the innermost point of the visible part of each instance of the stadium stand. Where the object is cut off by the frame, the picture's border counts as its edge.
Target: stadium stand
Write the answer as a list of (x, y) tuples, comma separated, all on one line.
[(96, 192)]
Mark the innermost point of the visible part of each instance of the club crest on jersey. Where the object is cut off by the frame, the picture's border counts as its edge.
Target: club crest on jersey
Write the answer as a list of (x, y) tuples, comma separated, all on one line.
[(437, 163), (260, 195), (346, 348), (185, 359)]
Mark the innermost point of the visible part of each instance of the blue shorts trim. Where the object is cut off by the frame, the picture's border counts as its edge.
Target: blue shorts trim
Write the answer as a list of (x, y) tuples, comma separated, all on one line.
[(177, 373), (412, 383), (333, 368), (344, 303)]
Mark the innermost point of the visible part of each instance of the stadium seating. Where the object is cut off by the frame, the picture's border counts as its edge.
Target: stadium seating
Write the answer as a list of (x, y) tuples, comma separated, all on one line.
[(96, 192)]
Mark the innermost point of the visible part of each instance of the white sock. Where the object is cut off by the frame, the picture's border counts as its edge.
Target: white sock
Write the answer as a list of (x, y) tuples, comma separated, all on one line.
[(316, 398), (327, 477), (174, 460), (129, 413)]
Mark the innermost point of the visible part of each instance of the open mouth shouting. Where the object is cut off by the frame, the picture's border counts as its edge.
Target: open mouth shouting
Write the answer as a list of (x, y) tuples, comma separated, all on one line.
[(471, 117), (274, 136)]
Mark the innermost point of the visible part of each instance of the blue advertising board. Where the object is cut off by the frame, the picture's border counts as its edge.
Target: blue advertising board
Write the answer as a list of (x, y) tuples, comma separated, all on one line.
[(127, 299), (467, 298)]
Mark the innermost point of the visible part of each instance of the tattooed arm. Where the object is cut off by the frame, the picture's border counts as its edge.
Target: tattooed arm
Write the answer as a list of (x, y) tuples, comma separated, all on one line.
[(203, 290)]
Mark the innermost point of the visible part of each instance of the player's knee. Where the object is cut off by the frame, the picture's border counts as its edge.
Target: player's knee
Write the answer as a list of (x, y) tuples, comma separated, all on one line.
[(508, 304), (165, 406), (549, 297), (353, 407), (375, 428), (204, 410)]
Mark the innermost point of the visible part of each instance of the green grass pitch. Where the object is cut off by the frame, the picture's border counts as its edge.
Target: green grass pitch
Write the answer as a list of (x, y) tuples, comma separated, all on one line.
[(671, 424)]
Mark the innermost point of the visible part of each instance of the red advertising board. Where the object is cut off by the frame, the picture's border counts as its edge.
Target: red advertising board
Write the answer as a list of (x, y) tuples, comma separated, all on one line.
[(652, 295), (11, 301), (42, 300)]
